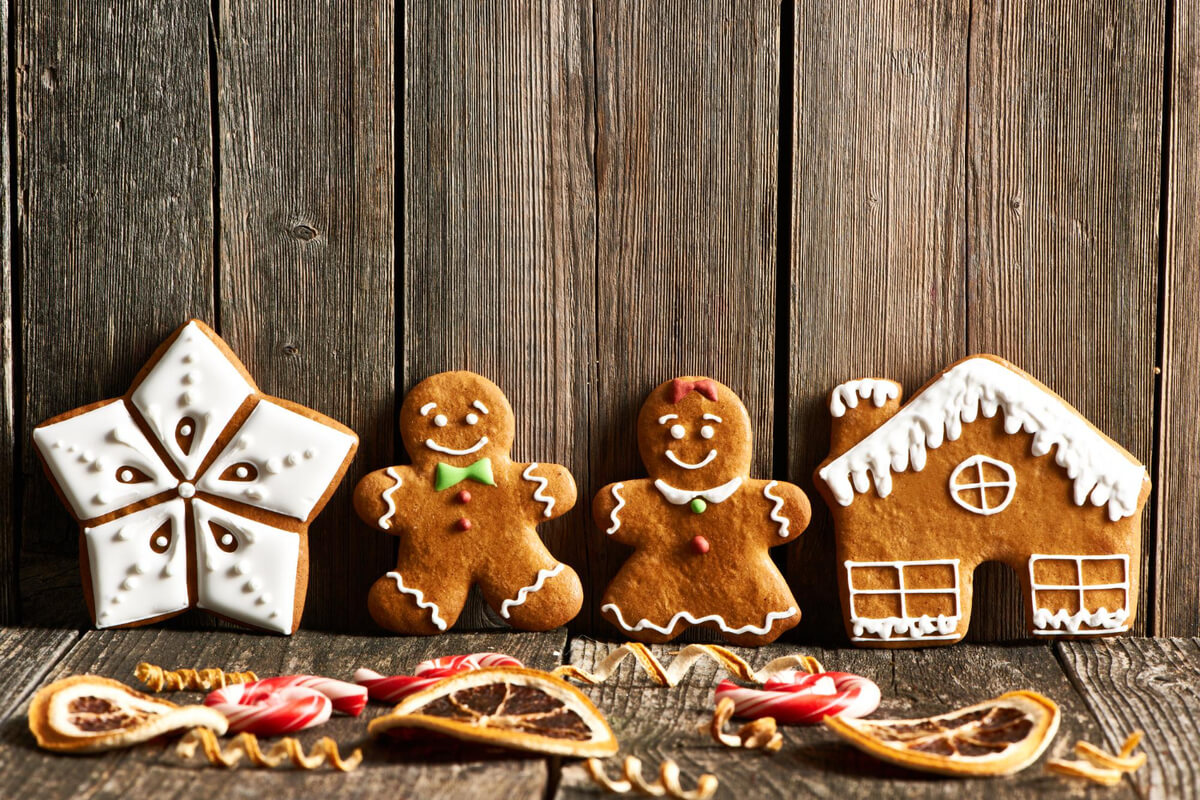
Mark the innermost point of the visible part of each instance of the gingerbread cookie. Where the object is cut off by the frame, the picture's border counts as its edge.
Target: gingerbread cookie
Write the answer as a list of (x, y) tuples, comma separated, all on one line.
[(466, 514), (983, 463), (194, 489), (700, 526)]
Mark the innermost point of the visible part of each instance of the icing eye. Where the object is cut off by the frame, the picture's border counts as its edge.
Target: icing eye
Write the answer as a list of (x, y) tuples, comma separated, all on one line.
[(440, 420), (472, 419), (707, 431), (129, 474), (223, 537), (185, 434), (160, 540), (677, 431), (243, 471)]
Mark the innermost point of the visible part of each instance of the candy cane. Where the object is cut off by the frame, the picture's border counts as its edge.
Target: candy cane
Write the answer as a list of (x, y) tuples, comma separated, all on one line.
[(395, 688), (347, 698), (270, 711), (804, 699)]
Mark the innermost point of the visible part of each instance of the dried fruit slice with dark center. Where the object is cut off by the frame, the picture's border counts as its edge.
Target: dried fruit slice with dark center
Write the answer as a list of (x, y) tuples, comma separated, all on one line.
[(996, 737), (87, 713), (520, 709)]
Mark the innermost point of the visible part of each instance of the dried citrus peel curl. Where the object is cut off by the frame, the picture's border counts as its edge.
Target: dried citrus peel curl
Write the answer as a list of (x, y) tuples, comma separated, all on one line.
[(761, 734), (667, 784), (684, 660), (1098, 765), (284, 751), (158, 679)]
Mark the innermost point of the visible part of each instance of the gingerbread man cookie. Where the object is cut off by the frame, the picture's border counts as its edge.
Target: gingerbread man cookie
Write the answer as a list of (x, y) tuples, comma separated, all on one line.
[(700, 526), (465, 514), (194, 489)]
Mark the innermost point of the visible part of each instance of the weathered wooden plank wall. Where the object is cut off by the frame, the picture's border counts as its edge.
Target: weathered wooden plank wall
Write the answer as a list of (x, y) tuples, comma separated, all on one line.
[(598, 195), (10, 596)]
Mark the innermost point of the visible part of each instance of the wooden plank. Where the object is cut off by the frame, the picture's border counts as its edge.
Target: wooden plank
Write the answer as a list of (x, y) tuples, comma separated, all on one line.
[(113, 185), (654, 724), (877, 228), (10, 598), (1063, 142), (499, 208), (1176, 602), (1149, 684), (28, 654), (307, 273), (686, 150), (153, 770)]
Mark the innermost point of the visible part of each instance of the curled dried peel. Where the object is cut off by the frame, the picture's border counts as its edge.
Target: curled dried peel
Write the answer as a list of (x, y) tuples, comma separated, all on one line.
[(761, 734), (287, 750), (87, 714), (667, 784), (996, 737), (1098, 765), (511, 707), (158, 679), (684, 660)]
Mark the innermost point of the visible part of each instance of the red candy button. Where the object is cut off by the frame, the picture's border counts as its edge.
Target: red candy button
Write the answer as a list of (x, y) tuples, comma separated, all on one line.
[(463, 524), (464, 496), (700, 545)]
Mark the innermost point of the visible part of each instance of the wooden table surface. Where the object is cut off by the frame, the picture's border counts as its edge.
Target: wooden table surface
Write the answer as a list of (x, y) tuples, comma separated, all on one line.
[(1105, 690)]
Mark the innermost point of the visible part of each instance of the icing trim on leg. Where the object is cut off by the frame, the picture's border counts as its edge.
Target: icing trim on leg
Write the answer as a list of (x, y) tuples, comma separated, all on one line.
[(542, 576), (419, 596), (644, 623)]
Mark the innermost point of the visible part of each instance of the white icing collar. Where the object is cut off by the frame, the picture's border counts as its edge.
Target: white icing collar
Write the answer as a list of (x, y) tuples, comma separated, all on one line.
[(717, 494)]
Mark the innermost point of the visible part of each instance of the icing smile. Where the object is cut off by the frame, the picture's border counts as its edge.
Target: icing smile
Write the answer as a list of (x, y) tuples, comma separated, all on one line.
[(450, 451), (680, 463)]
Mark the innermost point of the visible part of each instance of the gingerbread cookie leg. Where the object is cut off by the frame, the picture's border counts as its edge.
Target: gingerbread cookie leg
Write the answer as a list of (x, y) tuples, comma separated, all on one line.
[(535, 592), (411, 600)]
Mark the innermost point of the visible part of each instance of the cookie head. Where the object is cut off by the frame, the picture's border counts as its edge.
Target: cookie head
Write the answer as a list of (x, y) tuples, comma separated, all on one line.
[(694, 433), (456, 417)]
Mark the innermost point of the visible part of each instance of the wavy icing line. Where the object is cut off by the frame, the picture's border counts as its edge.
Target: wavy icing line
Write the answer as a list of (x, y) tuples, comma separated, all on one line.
[(542, 576), (419, 596), (775, 515), (384, 522), (539, 493), (644, 623), (612, 515)]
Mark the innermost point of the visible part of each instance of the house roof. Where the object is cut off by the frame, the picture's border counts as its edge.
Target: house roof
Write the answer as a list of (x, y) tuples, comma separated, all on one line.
[(1101, 471)]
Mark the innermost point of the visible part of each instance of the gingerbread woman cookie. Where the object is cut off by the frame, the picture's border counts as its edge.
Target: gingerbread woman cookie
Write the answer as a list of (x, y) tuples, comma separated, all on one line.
[(465, 514), (700, 526), (194, 489)]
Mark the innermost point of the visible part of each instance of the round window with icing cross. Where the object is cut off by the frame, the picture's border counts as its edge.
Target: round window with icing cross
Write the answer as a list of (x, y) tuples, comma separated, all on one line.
[(983, 485)]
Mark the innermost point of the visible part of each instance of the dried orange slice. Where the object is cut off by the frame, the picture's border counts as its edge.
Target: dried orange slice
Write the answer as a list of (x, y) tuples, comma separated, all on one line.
[(511, 707), (996, 737)]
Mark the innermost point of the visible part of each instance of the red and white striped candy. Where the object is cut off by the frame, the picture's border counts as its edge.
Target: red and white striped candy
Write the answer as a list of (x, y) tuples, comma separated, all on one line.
[(270, 711), (396, 687), (798, 698), (347, 698)]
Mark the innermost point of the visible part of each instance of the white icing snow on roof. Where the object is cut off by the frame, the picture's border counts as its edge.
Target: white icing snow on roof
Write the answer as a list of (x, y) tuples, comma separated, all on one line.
[(846, 395), (1101, 472)]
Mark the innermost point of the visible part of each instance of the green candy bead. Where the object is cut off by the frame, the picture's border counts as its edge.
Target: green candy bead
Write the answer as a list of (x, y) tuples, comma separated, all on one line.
[(698, 505)]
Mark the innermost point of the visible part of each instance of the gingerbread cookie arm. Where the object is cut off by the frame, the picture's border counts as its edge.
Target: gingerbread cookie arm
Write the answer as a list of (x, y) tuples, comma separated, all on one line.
[(551, 489), (611, 509), (379, 494), (786, 506)]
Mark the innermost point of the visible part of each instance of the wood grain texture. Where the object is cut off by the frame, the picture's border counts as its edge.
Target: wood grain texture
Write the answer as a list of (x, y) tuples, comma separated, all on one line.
[(153, 770), (307, 266), (654, 724), (1063, 194), (113, 179), (10, 596), (1149, 684), (1176, 601), (28, 654), (499, 237), (686, 138), (877, 230)]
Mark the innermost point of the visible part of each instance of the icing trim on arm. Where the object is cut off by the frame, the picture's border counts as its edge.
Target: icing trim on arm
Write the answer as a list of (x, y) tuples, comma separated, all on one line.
[(542, 576), (612, 515), (539, 493), (419, 596), (385, 520), (783, 521)]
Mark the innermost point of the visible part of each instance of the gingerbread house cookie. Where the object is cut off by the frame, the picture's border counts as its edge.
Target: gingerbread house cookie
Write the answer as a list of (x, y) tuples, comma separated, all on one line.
[(700, 526), (194, 489), (464, 514), (983, 463)]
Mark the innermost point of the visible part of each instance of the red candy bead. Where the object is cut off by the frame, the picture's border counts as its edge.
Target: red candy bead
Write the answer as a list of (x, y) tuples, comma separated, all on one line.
[(700, 545), (464, 496), (463, 524)]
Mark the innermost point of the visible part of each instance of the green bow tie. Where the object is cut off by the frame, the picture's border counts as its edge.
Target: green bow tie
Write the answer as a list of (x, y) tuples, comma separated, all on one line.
[(448, 475)]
